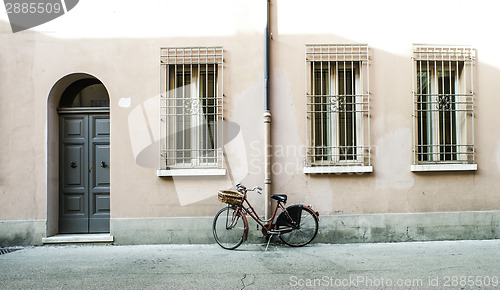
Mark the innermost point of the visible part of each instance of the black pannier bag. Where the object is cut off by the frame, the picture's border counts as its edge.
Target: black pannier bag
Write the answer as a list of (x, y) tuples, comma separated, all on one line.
[(294, 211)]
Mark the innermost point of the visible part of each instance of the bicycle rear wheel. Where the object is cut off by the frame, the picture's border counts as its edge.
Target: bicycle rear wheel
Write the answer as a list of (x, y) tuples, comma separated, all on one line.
[(305, 233), (229, 228)]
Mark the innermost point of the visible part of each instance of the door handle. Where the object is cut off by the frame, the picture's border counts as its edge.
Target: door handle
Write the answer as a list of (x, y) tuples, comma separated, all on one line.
[(73, 164), (103, 164)]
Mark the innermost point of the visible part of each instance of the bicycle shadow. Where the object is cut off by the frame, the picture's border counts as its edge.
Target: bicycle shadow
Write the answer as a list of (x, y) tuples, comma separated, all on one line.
[(276, 245)]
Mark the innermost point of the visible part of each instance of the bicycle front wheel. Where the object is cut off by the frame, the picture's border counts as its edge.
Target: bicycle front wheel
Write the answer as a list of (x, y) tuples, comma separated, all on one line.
[(229, 228), (305, 233)]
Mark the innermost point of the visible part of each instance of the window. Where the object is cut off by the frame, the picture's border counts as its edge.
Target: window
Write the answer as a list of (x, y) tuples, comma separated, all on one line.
[(337, 108), (191, 108), (443, 105), (87, 93)]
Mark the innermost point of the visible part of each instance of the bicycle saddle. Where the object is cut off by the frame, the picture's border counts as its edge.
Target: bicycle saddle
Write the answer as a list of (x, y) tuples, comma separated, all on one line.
[(279, 197)]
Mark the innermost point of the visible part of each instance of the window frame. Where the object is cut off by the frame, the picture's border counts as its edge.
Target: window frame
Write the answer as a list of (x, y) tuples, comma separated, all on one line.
[(337, 154), (336, 101), (436, 147), (192, 101), (190, 116), (436, 124)]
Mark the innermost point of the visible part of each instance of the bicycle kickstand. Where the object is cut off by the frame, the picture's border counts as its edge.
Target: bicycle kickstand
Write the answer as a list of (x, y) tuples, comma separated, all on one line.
[(269, 241)]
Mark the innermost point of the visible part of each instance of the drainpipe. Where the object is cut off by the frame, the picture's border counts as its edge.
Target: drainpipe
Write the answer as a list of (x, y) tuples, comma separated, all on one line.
[(267, 121)]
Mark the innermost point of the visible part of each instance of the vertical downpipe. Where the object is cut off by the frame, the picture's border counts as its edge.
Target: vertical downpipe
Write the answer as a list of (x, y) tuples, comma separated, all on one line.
[(267, 121)]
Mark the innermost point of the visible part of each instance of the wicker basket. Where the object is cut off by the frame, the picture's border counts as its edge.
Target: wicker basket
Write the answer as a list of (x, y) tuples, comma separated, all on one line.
[(230, 197)]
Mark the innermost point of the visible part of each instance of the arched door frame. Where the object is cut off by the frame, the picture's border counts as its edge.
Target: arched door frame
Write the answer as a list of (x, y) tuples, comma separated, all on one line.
[(53, 101)]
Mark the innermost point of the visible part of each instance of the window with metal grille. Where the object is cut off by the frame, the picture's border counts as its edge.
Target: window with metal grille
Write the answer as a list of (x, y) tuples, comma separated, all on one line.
[(191, 107), (443, 99), (337, 93)]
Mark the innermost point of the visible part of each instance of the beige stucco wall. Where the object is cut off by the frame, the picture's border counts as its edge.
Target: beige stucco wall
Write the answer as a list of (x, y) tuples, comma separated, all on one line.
[(121, 48), (390, 30)]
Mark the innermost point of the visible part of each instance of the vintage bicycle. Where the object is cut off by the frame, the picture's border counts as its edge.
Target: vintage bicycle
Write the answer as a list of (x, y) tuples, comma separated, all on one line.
[(296, 225)]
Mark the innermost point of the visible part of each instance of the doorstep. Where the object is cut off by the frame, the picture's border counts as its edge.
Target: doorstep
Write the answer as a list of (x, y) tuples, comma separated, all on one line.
[(78, 238)]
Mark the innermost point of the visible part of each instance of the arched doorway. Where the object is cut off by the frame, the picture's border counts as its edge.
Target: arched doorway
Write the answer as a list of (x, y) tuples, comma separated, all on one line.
[(83, 155)]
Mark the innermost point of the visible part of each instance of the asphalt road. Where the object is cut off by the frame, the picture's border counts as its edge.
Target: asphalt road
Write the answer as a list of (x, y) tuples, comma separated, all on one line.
[(429, 265)]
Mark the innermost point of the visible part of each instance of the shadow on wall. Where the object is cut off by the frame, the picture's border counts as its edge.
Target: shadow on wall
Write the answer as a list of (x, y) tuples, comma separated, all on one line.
[(391, 125)]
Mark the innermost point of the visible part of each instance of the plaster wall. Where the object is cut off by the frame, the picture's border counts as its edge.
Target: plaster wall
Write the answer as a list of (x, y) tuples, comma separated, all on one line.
[(121, 48)]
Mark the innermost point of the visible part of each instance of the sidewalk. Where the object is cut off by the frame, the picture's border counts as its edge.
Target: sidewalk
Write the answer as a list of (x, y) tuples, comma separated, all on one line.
[(427, 265)]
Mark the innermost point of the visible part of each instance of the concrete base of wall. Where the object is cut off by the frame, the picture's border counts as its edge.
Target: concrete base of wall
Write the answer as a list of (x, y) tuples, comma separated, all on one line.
[(192, 230), (409, 227), (373, 228), (22, 233)]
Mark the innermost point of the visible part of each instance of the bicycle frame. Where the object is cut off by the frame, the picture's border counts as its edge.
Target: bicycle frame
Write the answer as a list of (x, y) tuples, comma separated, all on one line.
[(265, 224)]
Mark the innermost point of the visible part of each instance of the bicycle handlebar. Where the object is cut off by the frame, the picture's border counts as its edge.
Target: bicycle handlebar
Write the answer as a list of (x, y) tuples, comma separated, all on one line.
[(242, 187)]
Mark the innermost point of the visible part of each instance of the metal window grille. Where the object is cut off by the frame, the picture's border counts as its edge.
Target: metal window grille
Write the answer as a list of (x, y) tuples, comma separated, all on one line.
[(443, 104), (191, 107), (338, 116), (99, 103)]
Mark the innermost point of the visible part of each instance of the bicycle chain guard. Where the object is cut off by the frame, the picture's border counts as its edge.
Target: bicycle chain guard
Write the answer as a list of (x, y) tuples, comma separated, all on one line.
[(294, 211)]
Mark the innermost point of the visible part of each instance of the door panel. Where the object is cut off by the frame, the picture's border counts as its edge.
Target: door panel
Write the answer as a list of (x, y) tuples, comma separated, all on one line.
[(101, 165), (73, 180), (102, 204), (99, 178), (84, 174), (73, 203), (74, 127), (101, 125), (75, 170)]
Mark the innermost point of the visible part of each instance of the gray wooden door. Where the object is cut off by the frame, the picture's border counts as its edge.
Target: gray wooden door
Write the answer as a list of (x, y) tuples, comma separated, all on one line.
[(84, 173)]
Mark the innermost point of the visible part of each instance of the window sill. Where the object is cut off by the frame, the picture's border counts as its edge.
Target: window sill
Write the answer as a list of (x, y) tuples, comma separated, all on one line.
[(443, 167), (338, 169), (192, 172)]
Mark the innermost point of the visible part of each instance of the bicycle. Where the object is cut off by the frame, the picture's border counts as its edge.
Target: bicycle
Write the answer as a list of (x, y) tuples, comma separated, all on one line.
[(296, 225)]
